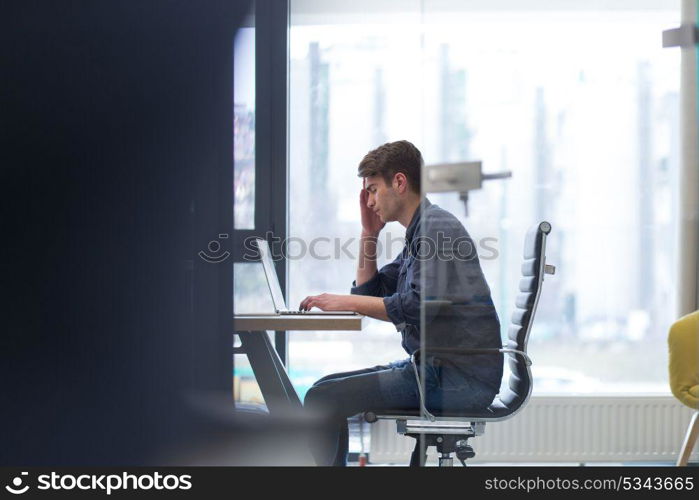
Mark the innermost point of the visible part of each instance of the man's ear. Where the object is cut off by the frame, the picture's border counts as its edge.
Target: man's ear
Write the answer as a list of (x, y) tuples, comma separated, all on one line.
[(400, 182)]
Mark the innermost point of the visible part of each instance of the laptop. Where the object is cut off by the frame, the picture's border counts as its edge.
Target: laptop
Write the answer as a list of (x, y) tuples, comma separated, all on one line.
[(276, 291)]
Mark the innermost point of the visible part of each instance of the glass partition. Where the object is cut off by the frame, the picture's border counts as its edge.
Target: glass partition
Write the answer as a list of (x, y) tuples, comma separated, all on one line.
[(579, 103)]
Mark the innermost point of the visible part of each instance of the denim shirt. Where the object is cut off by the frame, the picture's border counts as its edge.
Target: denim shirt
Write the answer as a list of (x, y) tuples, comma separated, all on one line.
[(439, 261)]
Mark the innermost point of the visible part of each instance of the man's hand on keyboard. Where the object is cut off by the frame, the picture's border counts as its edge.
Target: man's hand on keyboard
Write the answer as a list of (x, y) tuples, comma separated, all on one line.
[(328, 302)]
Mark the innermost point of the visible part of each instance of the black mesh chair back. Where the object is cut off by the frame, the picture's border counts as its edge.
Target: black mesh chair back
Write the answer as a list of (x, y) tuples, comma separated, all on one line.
[(534, 267)]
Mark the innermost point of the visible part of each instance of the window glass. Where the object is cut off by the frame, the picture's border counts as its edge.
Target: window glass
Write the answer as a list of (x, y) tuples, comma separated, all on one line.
[(581, 104), (340, 108), (588, 126), (244, 127), (251, 295)]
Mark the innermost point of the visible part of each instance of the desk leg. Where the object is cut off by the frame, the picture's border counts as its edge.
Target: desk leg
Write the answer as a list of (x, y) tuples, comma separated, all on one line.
[(279, 393)]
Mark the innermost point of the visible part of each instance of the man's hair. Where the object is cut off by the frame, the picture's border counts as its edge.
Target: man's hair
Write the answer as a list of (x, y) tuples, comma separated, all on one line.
[(392, 158)]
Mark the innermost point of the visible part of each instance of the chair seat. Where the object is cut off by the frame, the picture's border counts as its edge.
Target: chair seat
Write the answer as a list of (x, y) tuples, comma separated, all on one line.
[(496, 410)]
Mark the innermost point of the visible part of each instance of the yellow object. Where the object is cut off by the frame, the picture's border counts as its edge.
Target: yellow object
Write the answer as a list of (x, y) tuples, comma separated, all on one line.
[(683, 342)]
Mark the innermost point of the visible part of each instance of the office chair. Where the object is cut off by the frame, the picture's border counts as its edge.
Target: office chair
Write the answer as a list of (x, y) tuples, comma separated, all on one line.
[(683, 344), (450, 431)]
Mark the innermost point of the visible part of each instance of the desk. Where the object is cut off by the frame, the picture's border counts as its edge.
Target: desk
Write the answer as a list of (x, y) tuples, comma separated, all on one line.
[(280, 395)]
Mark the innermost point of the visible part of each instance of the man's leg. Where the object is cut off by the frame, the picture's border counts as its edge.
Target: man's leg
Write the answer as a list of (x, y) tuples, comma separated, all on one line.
[(336, 399), (336, 434), (362, 371)]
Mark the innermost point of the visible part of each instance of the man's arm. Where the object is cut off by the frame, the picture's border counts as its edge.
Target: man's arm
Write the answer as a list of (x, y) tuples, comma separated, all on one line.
[(366, 263), (370, 281), (371, 227), (370, 306), (371, 285), (362, 304)]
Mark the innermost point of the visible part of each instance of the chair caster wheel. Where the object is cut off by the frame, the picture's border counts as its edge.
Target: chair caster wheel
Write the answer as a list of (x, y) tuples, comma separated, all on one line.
[(464, 451)]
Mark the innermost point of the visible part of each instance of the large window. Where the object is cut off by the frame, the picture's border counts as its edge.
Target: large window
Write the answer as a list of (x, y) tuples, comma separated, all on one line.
[(250, 293), (244, 126), (340, 76), (580, 103)]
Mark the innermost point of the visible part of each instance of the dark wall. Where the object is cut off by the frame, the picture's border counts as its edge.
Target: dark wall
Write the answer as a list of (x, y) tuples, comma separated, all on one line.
[(115, 169)]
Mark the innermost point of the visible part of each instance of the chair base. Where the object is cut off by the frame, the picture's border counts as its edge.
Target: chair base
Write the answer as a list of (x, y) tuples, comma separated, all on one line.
[(690, 439), (422, 426), (446, 444), (446, 435)]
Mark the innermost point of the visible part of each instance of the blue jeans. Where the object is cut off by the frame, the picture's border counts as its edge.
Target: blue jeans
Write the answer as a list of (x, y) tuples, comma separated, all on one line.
[(384, 387)]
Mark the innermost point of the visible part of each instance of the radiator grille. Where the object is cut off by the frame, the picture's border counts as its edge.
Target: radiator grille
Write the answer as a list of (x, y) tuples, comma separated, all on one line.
[(566, 429)]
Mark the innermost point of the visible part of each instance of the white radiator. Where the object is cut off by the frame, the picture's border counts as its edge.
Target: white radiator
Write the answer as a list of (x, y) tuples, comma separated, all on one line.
[(565, 429)]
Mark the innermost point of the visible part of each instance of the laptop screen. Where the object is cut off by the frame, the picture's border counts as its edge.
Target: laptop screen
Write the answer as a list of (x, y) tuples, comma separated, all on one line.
[(272, 281)]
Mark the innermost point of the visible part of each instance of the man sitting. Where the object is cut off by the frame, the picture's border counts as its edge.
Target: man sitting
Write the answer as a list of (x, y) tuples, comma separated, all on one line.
[(438, 264)]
